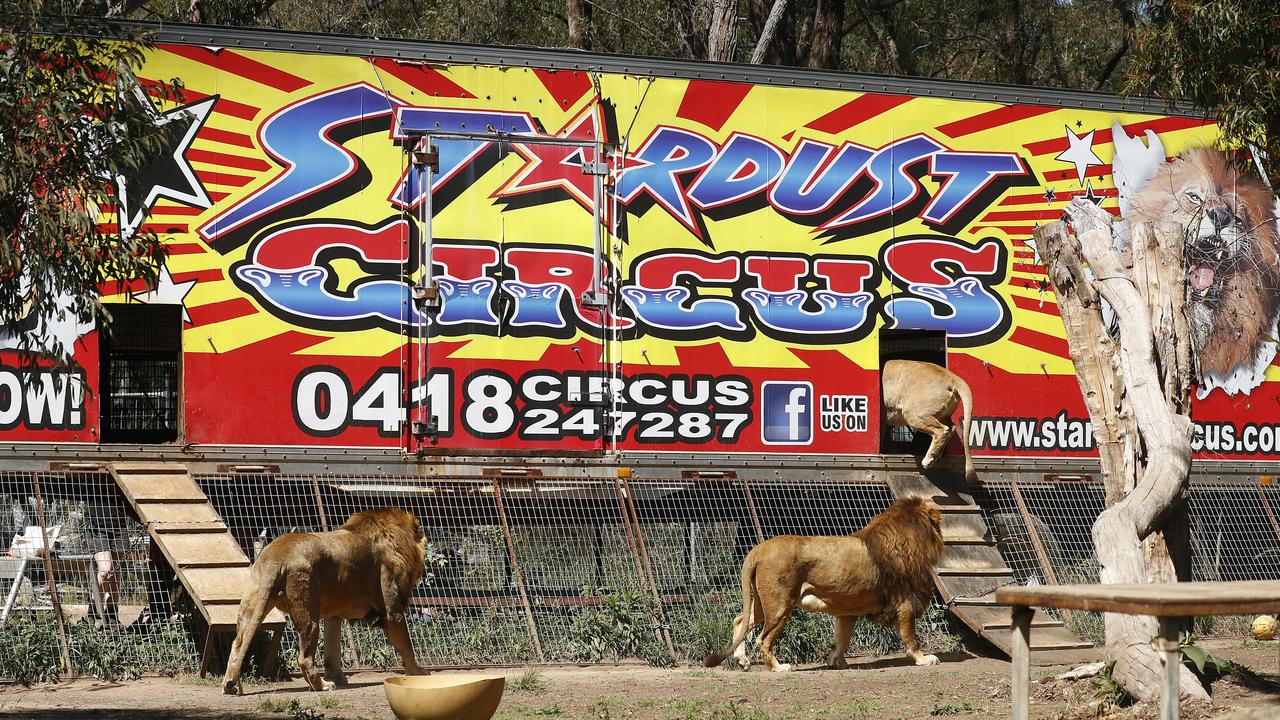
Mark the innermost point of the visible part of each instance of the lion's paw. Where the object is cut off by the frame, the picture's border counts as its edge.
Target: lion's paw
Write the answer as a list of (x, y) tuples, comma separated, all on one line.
[(928, 660), (326, 685), (782, 667), (838, 664), (231, 687)]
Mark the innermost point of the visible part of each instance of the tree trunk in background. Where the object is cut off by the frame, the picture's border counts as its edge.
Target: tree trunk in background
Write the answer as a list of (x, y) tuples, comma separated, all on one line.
[(693, 39), (578, 14), (722, 37), (828, 32), (1139, 401), (766, 34)]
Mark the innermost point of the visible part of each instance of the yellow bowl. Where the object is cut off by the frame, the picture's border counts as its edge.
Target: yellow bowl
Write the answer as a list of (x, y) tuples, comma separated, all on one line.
[(445, 697)]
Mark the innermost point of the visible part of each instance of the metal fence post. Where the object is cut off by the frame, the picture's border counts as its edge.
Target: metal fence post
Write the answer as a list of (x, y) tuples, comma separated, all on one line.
[(515, 568), (49, 575)]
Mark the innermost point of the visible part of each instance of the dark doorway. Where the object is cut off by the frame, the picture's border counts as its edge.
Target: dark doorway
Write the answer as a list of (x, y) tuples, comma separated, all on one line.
[(924, 346), (140, 364)]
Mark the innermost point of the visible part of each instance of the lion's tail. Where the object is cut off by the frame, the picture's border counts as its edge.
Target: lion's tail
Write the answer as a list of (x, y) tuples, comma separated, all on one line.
[(966, 397), (743, 623)]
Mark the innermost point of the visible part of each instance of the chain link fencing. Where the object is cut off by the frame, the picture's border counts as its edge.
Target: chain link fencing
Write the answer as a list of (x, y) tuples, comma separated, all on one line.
[(527, 570)]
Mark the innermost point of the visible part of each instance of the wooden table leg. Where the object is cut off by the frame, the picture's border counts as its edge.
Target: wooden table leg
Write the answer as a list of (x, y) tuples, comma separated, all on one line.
[(1171, 656), (1020, 695)]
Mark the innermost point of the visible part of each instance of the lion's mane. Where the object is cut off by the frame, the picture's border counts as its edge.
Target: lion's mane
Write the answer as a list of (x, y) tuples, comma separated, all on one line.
[(905, 544), (1229, 326)]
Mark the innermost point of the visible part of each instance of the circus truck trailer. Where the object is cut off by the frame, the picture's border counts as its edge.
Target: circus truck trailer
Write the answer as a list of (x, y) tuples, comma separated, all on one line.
[(424, 258)]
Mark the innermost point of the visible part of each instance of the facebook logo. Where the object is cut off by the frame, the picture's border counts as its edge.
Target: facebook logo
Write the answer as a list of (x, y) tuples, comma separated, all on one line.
[(786, 411)]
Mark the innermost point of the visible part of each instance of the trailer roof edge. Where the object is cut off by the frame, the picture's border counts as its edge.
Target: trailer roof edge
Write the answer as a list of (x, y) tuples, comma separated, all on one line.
[(566, 59)]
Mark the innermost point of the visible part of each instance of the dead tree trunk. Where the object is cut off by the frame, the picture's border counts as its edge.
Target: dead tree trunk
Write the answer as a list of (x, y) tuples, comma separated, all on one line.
[(766, 34), (1138, 398)]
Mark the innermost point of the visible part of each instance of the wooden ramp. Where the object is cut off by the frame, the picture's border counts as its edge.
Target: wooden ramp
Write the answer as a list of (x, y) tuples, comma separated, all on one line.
[(197, 544), (971, 569)]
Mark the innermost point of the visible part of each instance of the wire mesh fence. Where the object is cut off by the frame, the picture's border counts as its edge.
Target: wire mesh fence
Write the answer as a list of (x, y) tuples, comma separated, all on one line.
[(526, 570)]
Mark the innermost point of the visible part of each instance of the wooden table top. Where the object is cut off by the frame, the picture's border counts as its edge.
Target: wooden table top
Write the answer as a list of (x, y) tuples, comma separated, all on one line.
[(1159, 599)]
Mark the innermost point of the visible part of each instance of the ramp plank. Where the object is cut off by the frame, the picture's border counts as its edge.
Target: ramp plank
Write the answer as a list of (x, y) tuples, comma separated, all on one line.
[(161, 512), (159, 488), (201, 548)]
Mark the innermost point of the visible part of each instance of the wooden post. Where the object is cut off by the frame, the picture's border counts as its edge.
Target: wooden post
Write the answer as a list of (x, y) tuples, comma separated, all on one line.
[(751, 506), (1034, 534), (644, 556), (49, 575), (1171, 657), (1266, 505), (515, 569), (625, 516), (1020, 683)]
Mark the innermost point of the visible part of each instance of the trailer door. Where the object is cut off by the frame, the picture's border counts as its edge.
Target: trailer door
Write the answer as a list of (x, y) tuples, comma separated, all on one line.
[(510, 343)]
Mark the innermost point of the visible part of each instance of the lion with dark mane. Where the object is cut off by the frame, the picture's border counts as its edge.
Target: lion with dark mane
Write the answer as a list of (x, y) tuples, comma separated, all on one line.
[(1232, 258), (884, 572), (364, 570)]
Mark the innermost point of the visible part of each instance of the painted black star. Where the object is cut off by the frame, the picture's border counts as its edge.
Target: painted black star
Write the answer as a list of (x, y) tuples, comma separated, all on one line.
[(170, 174), (1090, 195), (1079, 124), (1049, 195)]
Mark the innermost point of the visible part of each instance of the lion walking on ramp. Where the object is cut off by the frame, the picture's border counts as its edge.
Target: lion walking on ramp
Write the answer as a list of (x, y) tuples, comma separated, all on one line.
[(364, 570), (884, 572)]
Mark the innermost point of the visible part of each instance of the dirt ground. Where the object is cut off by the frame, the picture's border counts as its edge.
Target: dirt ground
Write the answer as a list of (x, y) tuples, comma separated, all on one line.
[(963, 686)]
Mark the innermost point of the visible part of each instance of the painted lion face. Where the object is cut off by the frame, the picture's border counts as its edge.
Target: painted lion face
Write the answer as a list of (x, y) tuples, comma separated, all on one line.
[(1233, 269)]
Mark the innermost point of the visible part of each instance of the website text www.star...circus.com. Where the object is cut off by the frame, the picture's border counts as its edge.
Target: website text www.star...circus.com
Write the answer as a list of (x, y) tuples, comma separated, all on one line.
[(1066, 433)]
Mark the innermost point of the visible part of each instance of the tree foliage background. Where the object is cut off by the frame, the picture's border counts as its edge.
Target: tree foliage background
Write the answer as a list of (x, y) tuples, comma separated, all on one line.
[(1066, 43), (69, 125), (1219, 54)]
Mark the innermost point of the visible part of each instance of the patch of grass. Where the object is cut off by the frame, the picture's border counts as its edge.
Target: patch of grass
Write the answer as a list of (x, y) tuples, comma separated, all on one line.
[(328, 701), (553, 711), (857, 710), (699, 673), (689, 708), (734, 711), (273, 705), (529, 681), (956, 708), (1251, 644), (296, 710)]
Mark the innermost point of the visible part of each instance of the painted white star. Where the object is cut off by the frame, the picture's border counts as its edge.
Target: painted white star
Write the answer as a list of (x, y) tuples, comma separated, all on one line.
[(1080, 153), (167, 292)]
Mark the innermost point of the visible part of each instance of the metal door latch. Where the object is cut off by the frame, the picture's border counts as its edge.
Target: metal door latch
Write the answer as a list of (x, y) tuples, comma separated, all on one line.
[(426, 295)]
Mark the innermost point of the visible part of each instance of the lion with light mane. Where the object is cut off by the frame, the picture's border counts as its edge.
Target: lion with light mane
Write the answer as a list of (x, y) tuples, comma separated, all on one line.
[(884, 572), (923, 397), (364, 570), (1232, 260)]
